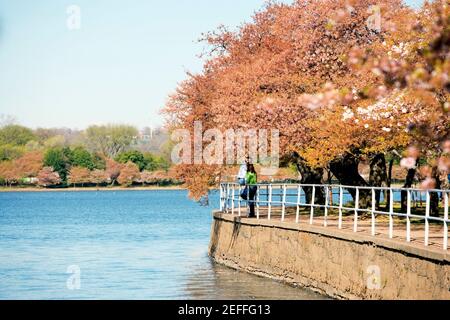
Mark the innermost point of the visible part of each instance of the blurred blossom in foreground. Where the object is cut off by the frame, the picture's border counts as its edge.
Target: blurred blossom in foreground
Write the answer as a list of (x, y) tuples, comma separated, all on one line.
[(428, 183), (408, 163)]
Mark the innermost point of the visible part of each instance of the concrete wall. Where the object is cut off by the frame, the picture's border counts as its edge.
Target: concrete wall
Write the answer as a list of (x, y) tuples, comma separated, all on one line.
[(339, 264)]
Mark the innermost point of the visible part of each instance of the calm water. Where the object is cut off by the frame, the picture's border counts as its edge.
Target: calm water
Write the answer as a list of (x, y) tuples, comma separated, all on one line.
[(126, 244)]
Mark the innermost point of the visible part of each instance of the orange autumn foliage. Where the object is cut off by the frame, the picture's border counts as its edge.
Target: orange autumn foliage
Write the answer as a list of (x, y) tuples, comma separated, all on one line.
[(112, 170), (79, 175), (319, 74), (98, 176), (9, 172), (30, 164), (129, 173)]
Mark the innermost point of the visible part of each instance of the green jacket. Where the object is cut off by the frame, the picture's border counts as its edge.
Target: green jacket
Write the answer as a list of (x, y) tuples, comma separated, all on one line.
[(250, 178)]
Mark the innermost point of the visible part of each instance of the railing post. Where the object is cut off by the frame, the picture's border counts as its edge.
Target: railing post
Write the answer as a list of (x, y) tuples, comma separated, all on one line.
[(257, 202), (372, 212), (232, 199), (239, 200), (341, 202), (445, 220), (221, 197), (420, 199), (312, 204), (283, 203), (297, 214), (327, 195), (228, 197), (427, 215), (270, 202), (355, 219), (391, 212), (408, 215)]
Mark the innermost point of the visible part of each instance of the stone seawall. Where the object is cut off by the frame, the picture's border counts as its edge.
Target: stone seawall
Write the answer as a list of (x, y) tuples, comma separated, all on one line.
[(334, 262)]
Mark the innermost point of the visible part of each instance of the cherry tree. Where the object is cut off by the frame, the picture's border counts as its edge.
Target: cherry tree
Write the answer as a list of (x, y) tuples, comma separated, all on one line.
[(98, 176), (30, 164), (129, 174), (48, 177), (260, 75), (9, 172), (113, 169), (79, 175)]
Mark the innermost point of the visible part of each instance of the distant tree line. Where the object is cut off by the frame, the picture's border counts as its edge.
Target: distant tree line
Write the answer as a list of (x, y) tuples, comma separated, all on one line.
[(98, 156)]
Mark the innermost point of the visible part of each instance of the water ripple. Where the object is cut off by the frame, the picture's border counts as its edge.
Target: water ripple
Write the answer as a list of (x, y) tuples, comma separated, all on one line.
[(128, 245)]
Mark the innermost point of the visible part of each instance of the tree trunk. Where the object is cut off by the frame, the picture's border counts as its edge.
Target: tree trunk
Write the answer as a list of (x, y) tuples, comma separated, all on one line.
[(345, 169), (408, 184), (387, 195), (310, 176), (389, 179), (434, 196), (377, 175), (329, 175)]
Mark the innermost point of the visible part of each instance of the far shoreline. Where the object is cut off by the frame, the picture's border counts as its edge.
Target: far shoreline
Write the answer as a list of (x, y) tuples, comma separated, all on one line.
[(88, 189)]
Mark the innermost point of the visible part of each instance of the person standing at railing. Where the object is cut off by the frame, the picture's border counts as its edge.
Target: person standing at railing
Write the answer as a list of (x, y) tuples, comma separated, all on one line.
[(242, 172), (251, 179)]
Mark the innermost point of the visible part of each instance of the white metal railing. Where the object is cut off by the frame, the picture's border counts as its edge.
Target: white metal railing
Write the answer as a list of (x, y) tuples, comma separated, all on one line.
[(274, 197)]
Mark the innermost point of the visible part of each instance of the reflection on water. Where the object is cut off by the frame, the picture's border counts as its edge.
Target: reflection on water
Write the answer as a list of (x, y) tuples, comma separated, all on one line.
[(127, 245), (219, 282)]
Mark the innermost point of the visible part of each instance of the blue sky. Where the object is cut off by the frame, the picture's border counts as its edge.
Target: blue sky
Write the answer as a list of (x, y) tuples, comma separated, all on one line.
[(119, 67)]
